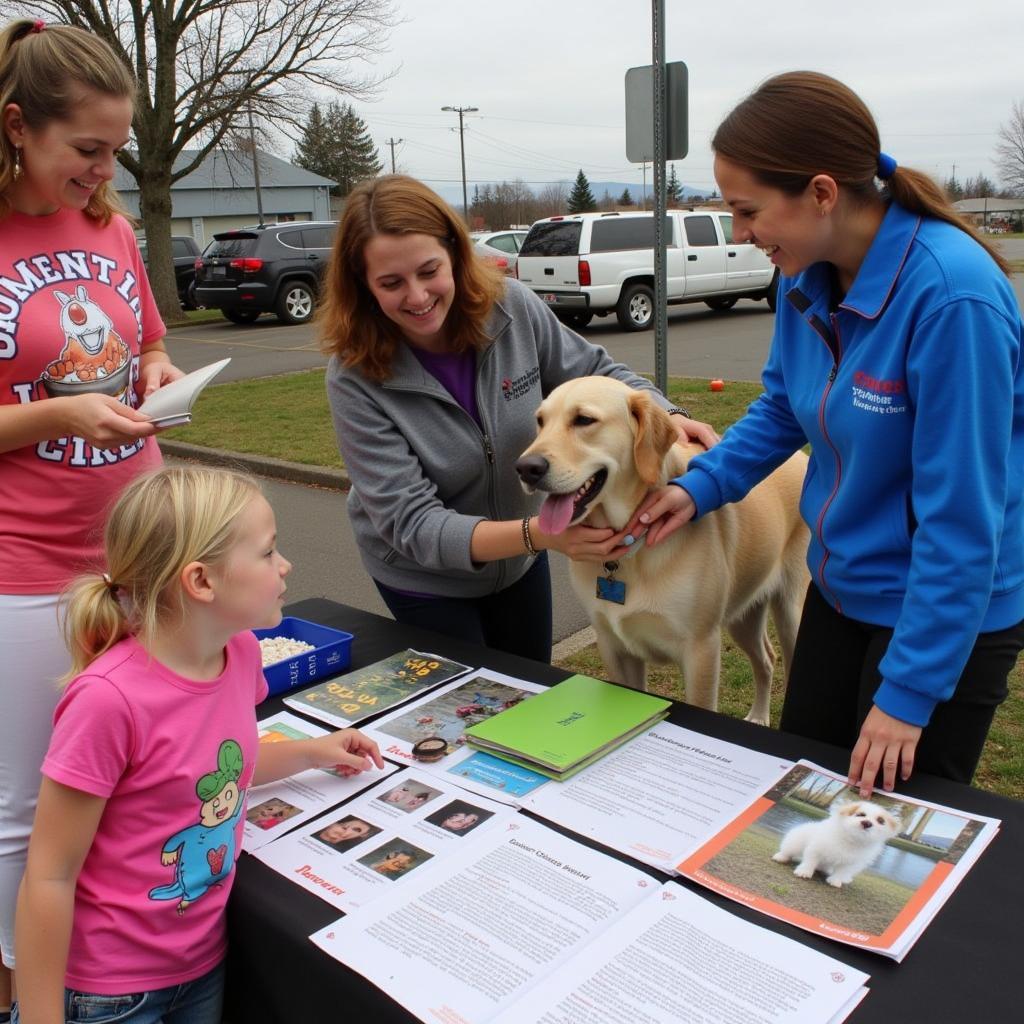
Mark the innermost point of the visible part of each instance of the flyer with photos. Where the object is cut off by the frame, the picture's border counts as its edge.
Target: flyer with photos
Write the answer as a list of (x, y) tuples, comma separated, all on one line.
[(445, 714), (277, 807), (349, 698), (360, 850)]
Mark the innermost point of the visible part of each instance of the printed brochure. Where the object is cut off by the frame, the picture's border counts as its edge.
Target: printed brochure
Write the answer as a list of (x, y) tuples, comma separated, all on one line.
[(868, 873), (349, 698)]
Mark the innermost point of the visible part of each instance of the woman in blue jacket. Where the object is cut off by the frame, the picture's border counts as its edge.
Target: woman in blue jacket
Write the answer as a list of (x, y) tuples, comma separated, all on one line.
[(897, 356)]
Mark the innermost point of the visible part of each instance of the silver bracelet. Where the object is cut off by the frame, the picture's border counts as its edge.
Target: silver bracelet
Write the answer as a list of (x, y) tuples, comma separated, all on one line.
[(527, 542)]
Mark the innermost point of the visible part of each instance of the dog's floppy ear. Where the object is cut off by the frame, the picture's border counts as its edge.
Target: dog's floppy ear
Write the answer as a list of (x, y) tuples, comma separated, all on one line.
[(655, 435)]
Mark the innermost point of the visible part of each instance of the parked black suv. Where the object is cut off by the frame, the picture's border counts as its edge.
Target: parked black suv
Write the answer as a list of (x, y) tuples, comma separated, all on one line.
[(185, 252), (276, 268)]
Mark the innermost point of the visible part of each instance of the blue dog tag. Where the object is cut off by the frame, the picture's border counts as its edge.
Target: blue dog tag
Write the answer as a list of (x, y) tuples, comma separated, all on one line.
[(609, 589)]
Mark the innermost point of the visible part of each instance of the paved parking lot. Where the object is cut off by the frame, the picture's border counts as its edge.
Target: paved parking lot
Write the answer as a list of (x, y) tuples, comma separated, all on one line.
[(701, 343)]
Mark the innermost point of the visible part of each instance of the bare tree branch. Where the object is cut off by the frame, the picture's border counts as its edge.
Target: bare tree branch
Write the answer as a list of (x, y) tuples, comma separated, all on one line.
[(201, 63), (1010, 151)]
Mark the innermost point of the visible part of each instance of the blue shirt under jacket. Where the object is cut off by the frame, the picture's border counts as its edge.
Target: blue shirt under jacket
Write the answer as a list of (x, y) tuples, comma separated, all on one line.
[(911, 394)]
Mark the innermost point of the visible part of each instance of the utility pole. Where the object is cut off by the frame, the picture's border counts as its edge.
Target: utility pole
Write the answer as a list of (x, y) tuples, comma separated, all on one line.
[(643, 166), (255, 164), (392, 143), (462, 150)]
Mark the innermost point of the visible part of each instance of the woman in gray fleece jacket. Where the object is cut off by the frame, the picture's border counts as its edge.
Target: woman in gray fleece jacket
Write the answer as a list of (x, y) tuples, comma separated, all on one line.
[(437, 367)]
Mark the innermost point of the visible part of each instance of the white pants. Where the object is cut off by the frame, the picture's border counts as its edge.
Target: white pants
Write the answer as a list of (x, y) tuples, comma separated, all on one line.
[(33, 656)]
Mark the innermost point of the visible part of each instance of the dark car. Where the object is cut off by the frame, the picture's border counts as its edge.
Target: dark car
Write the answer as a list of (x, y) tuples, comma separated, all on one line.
[(184, 251), (275, 268)]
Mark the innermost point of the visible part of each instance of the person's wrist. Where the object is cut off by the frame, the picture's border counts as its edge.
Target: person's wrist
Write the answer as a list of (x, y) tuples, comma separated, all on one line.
[(528, 542)]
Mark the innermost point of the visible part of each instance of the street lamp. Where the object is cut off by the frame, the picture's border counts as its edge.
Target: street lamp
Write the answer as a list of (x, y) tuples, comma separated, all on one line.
[(462, 149)]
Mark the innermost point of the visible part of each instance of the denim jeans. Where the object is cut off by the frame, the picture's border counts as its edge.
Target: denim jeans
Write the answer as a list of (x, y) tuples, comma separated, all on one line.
[(194, 1002)]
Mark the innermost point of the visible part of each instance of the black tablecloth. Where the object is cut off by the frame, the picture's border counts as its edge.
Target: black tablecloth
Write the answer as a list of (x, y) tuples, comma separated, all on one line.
[(966, 967)]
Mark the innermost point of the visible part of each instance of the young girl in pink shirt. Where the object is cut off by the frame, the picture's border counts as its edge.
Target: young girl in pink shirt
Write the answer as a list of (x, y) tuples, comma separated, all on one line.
[(139, 824)]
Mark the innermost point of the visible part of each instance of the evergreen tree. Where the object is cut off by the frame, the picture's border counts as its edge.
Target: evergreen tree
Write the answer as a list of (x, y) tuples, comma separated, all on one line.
[(337, 144), (311, 151), (581, 199), (953, 189), (626, 199), (673, 190)]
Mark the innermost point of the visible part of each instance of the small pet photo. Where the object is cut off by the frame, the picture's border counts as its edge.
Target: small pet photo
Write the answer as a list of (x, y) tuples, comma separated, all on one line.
[(459, 817), (409, 796), (271, 813), (840, 846), (395, 858), (345, 833)]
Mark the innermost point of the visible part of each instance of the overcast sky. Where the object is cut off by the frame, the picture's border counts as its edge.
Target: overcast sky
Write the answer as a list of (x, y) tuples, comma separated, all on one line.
[(548, 77)]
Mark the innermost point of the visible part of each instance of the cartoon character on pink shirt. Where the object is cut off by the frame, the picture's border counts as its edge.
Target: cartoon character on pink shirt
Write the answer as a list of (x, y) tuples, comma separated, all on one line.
[(203, 855)]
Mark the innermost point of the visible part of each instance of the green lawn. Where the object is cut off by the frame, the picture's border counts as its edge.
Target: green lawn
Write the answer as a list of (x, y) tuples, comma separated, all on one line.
[(287, 417)]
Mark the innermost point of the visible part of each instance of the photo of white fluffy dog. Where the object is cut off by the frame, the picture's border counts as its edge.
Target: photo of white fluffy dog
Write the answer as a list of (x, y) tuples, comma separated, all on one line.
[(842, 845)]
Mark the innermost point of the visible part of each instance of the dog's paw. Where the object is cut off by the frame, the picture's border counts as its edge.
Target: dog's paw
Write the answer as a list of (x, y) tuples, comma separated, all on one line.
[(757, 719), (780, 857), (836, 881), (801, 871)]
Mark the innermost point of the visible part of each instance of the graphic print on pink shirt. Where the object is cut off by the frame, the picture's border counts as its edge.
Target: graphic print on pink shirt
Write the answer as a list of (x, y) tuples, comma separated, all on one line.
[(93, 351), (204, 854)]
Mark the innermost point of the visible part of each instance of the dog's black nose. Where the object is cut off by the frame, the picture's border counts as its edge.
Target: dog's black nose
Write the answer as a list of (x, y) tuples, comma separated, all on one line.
[(532, 469)]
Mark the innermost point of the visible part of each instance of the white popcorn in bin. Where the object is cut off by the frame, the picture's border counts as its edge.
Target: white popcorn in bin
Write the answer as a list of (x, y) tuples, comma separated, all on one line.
[(297, 651), (278, 648)]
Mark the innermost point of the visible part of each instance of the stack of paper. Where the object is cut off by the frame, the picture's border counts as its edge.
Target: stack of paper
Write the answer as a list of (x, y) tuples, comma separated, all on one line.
[(564, 729)]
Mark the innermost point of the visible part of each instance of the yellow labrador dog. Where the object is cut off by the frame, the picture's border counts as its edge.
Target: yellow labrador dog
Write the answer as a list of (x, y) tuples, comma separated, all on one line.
[(601, 446)]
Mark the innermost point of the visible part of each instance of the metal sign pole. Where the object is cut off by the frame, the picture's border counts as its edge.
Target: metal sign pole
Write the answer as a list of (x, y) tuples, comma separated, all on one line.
[(660, 241)]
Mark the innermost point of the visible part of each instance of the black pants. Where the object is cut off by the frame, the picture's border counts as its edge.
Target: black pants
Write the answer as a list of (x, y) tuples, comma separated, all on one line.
[(516, 619), (835, 675)]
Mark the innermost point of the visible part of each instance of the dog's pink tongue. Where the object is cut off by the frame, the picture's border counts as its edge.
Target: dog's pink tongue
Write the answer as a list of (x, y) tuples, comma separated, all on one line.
[(556, 513)]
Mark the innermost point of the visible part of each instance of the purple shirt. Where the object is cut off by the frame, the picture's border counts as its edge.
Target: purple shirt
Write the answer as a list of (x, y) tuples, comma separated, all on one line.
[(456, 372)]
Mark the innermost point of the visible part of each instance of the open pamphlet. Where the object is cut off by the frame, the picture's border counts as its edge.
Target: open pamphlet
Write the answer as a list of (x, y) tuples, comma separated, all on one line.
[(346, 699), (872, 874), (568, 726), (383, 839), (445, 714), (277, 807), (525, 925), (660, 796), (171, 405)]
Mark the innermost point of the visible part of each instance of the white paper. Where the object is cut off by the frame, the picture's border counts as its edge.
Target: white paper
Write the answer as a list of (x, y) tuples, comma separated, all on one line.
[(383, 840), (447, 712), (277, 807), (658, 797), (171, 405), (473, 935), (678, 959)]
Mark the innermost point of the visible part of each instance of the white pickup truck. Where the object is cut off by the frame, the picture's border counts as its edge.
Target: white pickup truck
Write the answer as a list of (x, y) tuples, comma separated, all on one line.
[(591, 264)]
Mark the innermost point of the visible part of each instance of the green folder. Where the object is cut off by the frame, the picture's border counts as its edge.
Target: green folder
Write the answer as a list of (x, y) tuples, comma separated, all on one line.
[(563, 729)]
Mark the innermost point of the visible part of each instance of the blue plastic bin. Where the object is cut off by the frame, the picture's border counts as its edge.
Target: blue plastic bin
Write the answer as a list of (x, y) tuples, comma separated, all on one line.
[(331, 654)]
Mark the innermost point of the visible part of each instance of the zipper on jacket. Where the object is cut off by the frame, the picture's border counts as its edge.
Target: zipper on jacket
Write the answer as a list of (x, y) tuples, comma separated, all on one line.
[(489, 452), (443, 396), (835, 345)]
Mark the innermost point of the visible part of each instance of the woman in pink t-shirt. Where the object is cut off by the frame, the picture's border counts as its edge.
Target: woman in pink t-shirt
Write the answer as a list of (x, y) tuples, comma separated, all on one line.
[(142, 805), (80, 344)]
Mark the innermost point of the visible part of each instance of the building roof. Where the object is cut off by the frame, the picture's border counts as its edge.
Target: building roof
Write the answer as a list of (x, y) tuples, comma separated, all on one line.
[(231, 169), (989, 204)]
